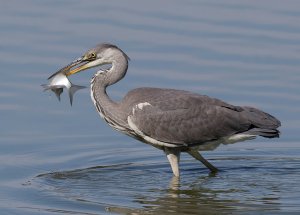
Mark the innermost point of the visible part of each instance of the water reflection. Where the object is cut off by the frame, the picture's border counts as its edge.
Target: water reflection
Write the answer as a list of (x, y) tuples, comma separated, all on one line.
[(149, 189), (187, 200)]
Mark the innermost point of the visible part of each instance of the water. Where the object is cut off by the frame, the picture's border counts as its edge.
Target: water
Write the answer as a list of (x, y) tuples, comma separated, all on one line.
[(57, 159)]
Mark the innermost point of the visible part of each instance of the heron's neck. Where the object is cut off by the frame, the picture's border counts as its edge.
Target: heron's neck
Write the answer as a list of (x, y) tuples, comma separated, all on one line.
[(102, 79), (116, 72)]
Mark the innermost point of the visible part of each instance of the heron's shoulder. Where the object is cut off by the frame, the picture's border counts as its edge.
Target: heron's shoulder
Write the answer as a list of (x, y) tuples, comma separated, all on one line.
[(152, 91), (162, 98), (151, 94), (166, 99)]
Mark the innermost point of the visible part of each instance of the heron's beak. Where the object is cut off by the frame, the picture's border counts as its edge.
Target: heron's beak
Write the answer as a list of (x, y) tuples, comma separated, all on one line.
[(68, 67), (85, 62), (79, 68)]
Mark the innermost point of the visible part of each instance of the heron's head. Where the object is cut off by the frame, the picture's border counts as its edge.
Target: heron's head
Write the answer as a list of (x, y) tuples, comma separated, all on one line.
[(101, 54)]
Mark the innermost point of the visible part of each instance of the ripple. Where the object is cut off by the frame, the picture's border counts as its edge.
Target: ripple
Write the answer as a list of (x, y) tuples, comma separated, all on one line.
[(129, 187), (61, 159)]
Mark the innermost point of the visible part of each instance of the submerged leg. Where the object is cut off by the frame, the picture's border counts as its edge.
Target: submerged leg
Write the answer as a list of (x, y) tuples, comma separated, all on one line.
[(198, 156), (173, 156)]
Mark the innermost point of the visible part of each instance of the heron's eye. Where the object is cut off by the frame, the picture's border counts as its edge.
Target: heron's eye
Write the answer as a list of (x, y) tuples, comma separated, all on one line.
[(93, 55)]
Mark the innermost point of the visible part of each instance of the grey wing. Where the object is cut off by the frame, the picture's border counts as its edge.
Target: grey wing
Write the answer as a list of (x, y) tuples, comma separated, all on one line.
[(194, 125), (183, 118)]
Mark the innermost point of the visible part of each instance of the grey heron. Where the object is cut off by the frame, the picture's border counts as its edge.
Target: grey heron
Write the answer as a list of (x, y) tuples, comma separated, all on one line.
[(172, 120)]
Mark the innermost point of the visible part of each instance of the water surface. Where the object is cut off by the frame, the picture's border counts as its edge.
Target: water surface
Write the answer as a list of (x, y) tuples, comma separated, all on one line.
[(57, 159)]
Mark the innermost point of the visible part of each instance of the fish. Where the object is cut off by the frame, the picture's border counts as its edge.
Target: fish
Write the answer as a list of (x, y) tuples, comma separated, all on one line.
[(58, 81)]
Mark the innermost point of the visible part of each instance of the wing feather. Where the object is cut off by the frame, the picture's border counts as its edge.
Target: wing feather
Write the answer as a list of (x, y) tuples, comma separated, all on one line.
[(196, 124)]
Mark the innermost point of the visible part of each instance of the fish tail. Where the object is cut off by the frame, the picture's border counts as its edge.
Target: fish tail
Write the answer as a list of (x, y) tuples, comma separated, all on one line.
[(72, 90)]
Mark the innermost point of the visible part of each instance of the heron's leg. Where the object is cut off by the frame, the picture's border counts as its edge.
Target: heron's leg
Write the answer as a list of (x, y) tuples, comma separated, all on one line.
[(198, 156), (173, 156)]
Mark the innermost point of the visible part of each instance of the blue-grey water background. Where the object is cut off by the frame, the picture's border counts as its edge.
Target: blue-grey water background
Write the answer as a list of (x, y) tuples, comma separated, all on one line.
[(58, 159)]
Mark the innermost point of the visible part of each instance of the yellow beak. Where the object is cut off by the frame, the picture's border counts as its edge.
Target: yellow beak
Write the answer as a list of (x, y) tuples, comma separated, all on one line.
[(78, 69), (69, 66)]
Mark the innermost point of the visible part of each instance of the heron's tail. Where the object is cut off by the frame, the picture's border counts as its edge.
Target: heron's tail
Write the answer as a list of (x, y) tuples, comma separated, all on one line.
[(262, 124), (268, 133)]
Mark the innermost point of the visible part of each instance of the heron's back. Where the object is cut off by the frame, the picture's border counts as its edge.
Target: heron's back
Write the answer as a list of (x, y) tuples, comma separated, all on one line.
[(180, 117)]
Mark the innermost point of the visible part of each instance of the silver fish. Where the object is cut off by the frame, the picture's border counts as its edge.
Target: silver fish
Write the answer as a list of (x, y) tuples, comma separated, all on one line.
[(58, 82)]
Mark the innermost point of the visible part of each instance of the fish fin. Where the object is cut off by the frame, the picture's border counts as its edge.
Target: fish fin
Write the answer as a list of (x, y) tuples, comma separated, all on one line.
[(57, 89), (71, 97), (46, 87), (72, 90), (58, 92), (58, 96)]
